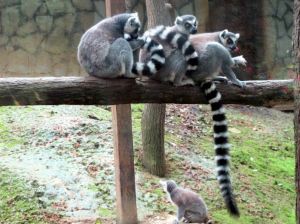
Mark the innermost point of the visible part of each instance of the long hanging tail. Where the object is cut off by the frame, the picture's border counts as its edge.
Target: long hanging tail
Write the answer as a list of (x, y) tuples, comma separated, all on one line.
[(156, 62), (222, 146), (181, 42)]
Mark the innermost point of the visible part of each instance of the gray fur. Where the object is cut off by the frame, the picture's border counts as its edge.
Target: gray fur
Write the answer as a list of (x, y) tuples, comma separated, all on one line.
[(103, 52), (177, 36), (181, 23), (213, 59), (190, 207), (226, 38)]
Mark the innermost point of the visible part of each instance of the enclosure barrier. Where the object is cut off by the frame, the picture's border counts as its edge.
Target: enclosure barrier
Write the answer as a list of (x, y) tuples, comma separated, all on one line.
[(122, 92), (94, 91)]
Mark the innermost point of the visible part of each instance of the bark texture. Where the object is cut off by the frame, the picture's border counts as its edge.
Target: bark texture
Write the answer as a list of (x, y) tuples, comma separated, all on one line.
[(296, 45), (123, 146), (94, 91), (153, 139)]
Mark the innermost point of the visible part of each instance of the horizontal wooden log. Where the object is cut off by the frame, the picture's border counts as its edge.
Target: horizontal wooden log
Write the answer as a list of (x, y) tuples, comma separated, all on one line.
[(94, 91)]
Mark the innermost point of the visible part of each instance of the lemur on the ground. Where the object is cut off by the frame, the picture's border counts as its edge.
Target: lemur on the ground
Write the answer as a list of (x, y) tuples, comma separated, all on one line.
[(191, 208)]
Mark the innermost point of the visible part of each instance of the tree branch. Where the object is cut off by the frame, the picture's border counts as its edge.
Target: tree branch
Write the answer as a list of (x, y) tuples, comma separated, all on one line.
[(94, 91)]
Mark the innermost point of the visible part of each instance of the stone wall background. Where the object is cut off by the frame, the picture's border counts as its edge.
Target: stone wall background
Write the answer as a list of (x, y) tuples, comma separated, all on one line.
[(278, 28), (40, 37)]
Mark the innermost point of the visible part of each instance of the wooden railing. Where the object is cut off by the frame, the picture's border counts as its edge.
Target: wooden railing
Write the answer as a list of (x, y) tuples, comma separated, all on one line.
[(123, 92), (94, 91)]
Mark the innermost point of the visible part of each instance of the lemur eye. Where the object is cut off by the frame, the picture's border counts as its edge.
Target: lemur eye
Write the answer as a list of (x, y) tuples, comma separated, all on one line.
[(187, 25), (229, 41)]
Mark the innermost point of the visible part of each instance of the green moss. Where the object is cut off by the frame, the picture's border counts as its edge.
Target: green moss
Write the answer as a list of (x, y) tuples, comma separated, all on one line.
[(8, 138), (17, 203), (263, 168), (137, 110), (264, 159), (106, 212)]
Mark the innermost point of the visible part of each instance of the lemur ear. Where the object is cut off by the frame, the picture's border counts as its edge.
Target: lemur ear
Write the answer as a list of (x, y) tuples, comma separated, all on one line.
[(163, 184), (135, 14), (178, 20), (224, 32), (237, 35)]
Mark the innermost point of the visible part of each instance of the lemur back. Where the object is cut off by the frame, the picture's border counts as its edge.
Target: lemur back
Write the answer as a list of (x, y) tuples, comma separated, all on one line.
[(224, 37), (191, 207), (105, 50)]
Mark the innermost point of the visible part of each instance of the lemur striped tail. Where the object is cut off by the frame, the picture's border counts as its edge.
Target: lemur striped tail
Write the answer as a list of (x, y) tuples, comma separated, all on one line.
[(156, 62), (222, 146), (157, 58), (181, 42)]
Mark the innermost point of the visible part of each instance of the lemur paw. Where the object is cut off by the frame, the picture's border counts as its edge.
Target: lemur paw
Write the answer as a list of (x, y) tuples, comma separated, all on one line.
[(145, 35), (185, 82), (221, 79), (240, 60), (131, 76), (238, 83), (175, 221)]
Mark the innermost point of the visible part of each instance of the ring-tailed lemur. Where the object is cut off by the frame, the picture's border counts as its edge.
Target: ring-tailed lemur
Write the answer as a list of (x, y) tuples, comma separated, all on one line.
[(190, 206), (105, 50), (226, 38), (156, 61), (212, 59), (177, 36)]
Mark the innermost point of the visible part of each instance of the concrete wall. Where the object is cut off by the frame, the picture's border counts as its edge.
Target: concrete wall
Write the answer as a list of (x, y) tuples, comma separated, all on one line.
[(40, 37), (278, 28)]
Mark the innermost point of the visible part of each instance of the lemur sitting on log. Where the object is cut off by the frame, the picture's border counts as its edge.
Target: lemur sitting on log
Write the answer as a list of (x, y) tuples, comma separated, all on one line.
[(106, 49)]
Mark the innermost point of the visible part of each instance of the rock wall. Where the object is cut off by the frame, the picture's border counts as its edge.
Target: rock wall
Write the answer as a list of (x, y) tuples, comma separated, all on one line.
[(278, 28), (40, 37)]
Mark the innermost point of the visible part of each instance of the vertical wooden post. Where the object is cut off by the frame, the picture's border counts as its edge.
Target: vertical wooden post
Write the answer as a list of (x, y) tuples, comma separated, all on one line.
[(123, 147), (296, 46), (124, 164)]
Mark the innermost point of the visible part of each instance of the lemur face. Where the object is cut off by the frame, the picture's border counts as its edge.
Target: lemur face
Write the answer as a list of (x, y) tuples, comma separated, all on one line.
[(168, 185), (229, 39), (133, 25), (187, 24)]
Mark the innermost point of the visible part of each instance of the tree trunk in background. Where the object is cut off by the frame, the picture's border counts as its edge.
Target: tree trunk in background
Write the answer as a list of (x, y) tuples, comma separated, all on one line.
[(296, 44), (153, 139), (153, 118)]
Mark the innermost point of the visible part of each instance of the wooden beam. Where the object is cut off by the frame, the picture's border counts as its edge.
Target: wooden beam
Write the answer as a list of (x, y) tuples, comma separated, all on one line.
[(124, 164), (94, 91), (296, 51), (123, 147)]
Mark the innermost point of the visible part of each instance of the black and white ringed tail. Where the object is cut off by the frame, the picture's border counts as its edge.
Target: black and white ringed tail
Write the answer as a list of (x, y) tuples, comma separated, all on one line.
[(222, 147), (157, 58), (181, 42)]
